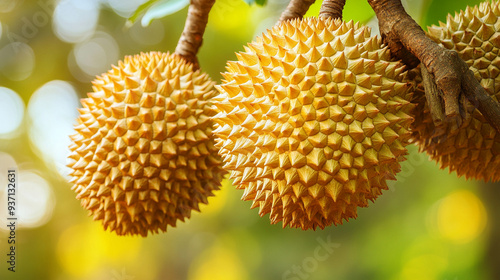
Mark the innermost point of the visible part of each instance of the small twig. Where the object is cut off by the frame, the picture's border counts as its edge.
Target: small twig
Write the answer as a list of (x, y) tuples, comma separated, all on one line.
[(332, 8), (296, 9), (194, 28), (432, 95)]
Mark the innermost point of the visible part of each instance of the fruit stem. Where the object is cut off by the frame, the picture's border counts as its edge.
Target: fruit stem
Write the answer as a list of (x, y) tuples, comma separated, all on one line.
[(408, 42), (476, 94), (194, 28), (296, 9), (432, 93), (332, 9)]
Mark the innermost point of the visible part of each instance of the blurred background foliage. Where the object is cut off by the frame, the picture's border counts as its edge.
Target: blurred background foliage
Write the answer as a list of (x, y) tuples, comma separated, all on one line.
[(429, 225)]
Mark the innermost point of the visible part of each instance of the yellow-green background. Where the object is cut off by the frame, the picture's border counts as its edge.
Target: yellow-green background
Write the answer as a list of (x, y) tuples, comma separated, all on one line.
[(429, 225)]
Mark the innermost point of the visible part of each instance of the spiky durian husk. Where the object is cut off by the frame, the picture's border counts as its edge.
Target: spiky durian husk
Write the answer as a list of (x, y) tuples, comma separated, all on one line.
[(313, 120), (473, 151), (143, 156)]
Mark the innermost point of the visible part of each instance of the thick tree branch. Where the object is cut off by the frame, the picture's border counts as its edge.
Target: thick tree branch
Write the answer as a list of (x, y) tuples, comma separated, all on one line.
[(296, 9), (332, 8), (194, 28), (452, 76)]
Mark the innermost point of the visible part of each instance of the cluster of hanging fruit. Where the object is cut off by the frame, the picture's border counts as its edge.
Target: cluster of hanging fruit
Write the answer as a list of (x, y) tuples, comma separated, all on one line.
[(311, 121)]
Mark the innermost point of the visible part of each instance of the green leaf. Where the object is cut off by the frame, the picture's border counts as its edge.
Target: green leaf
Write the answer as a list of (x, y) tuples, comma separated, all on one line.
[(163, 8), (258, 2), (439, 9), (140, 11)]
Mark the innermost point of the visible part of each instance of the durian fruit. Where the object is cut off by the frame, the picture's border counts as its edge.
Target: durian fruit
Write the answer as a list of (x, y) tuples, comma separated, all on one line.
[(313, 120), (474, 150), (143, 156)]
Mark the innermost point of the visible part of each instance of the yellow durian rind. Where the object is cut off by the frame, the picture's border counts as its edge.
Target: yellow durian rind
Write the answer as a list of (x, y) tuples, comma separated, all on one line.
[(313, 119), (142, 156)]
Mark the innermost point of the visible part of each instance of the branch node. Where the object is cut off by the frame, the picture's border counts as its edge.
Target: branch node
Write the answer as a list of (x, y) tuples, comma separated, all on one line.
[(432, 95), (332, 9)]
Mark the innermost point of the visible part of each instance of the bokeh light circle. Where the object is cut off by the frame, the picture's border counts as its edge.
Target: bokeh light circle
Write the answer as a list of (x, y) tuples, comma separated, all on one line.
[(147, 35), (51, 115), (96, 55), (75, 20), (461, 216), (11, 112), (17, 61), (37, 199), (34, 197), (7, 6)]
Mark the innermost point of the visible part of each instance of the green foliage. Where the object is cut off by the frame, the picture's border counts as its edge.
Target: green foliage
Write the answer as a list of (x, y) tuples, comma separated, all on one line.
[(140, 11), (356, 10), (439, 9), (258, 2), (155, 9)]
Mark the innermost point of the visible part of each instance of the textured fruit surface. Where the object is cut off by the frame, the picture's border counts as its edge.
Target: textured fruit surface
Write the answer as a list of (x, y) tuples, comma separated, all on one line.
[(473, 151), (313, 120), (143, 156)]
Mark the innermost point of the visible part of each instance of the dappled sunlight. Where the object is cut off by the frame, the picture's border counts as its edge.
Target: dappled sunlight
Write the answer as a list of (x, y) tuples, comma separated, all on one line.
[(218, 262), (36, 197), (93, 56), (74, 20), (11, 113), (7, 5), (147, 35), (85, 248), (52, 114), (17, 61), (232, 17), (424, 267), (461, 217)]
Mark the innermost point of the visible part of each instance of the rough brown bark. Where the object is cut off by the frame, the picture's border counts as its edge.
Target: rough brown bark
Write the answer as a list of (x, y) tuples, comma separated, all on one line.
[(332, 8), (192, 36), (296, 9), (433, 95), (451, 74)]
